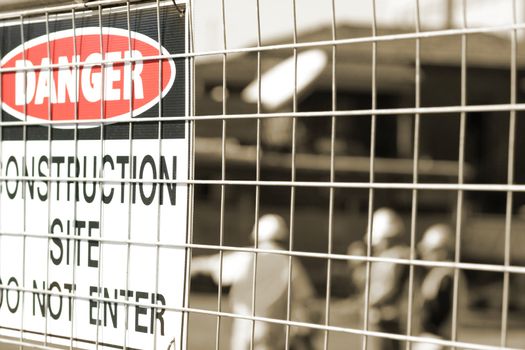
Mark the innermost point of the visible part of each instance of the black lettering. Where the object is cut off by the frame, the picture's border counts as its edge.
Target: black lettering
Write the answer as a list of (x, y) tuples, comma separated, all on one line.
[(54, 315), (79, 225), (92, 262), (11, 160), (41, 298), (112, 311), (122, 160), (12, 309), (87, 197), (147, 199), (107, 198), (1, 294), (93, 305), (30, 183), (68, 243), (73, 173), (123, 293), (57, 242), (157, 313), (70, 288), (58, 161), (133, 176), (42, 195), (140, 311), (171, 187)]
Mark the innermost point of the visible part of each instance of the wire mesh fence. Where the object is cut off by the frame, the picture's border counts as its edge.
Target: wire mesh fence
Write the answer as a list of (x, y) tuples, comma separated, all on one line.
[(137, 164)]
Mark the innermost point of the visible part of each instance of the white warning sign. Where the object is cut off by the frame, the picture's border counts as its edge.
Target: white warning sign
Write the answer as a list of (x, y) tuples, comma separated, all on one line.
[(93, 219)]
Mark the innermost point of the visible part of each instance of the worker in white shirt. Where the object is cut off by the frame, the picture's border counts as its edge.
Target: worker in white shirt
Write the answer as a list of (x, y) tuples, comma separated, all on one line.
[(271, 294)]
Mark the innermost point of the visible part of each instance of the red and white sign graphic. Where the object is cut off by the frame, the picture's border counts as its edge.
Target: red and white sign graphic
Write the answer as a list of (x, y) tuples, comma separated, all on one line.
[(76, 86)]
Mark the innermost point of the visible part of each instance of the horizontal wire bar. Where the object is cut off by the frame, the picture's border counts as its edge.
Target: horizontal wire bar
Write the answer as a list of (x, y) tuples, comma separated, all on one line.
[(190, 310), (264, 48), (84, 5), (100, 63), (415, 262), (51, 14), (337, 42), (316, 184), (342, 113)]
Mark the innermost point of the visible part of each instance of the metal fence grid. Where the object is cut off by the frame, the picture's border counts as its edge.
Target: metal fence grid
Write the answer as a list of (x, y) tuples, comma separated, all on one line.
[(333, 114)]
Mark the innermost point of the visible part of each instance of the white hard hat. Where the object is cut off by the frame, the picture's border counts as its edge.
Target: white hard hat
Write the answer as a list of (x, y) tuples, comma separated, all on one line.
[(427, 346), (386, 224), (438, 236), (272, 227)]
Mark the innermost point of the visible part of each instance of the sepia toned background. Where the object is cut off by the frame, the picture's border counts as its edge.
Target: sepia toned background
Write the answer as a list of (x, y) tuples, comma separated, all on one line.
[(412, 105)]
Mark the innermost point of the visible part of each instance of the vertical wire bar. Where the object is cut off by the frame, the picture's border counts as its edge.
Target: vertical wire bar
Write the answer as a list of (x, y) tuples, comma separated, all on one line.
[(257, 166), (415, 176), (223, 175), (191, 187), (49, 153), (257, 188), (159, 140), (510, 180), (371, 178), (128, 244), (76, 187), (332, 179), (101, 173), (293, 177), (461, 173), (24, 138)]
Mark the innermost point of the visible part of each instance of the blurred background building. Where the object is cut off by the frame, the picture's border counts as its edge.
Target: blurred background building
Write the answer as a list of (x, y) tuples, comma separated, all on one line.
[(488, 82), (488, 62)]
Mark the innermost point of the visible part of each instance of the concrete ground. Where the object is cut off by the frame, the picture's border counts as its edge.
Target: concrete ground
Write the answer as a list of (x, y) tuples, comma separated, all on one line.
[(480, 327)]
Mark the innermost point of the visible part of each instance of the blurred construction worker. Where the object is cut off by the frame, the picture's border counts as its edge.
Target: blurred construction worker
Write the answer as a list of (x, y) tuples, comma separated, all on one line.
[(271, 295), (387, 280), (357, 267), (437, 290)]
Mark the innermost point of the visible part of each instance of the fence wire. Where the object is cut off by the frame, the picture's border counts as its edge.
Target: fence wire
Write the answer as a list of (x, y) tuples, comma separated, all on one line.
[(460, 187)]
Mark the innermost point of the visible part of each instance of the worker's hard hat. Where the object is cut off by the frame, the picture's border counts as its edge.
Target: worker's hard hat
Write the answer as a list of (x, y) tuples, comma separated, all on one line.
[(439, 236), (386, 223), (272, 227)]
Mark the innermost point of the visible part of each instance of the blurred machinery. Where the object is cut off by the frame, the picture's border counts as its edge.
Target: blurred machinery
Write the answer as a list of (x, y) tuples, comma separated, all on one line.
[(440, 58)]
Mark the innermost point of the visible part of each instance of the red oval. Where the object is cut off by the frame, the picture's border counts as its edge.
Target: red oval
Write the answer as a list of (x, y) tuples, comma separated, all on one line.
[(55, 93)]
